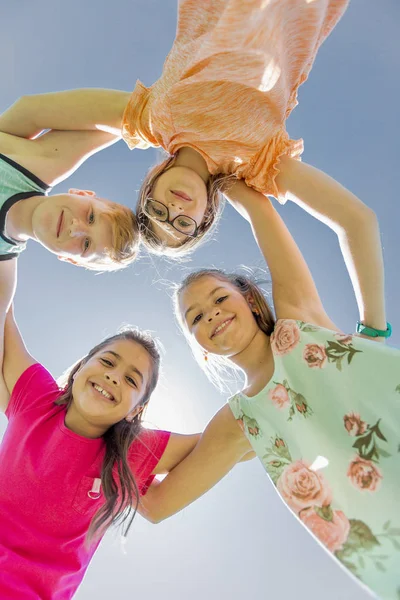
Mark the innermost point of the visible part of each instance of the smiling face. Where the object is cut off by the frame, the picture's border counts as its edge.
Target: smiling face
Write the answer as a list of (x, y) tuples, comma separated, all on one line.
[(73, 226), (218, 316), (183, 192), (111, 385)]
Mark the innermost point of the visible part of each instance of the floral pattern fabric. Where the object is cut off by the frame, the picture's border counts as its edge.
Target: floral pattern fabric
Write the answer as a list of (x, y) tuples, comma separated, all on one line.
[(327, 430)]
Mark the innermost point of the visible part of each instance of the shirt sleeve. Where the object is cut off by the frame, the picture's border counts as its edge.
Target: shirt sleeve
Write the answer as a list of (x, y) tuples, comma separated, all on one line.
[(35, 386), (144, 455)]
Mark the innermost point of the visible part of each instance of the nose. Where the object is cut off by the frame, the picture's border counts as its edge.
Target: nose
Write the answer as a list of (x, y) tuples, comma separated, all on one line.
[(214, 313), (77, 228), (112, 378), (175, 208)]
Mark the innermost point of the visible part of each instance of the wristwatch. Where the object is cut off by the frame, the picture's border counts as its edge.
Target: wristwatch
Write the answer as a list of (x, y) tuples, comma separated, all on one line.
[(372, 332)]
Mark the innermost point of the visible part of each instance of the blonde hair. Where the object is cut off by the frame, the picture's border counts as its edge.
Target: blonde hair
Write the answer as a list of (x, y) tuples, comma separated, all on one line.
[(219, 368), (125, 239), (215, 185)]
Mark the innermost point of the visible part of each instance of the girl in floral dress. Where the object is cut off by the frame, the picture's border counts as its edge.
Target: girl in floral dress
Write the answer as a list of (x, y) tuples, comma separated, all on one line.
[(321, 408)]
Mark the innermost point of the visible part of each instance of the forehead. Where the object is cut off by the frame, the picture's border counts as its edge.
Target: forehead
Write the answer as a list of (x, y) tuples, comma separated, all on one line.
[(200, 290)]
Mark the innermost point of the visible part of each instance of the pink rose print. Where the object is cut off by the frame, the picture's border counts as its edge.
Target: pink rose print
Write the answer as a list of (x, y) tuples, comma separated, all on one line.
[(301, 487), (364, 475), (344, 338), (353, 424), (332, 534), (240, 423), (285, 338), (315, 356), (279, 443), (279, 396)]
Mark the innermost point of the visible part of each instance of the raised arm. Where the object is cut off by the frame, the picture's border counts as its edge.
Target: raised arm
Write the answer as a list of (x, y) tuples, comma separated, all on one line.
[(354, 223), (72, 110), (16, 358), (8, 279), (220, 447), (295, 295)]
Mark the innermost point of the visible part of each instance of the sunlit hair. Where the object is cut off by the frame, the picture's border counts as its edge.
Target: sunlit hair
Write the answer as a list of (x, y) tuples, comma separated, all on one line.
[(215, 187), (125, 239), (120, 495), (219, 368)]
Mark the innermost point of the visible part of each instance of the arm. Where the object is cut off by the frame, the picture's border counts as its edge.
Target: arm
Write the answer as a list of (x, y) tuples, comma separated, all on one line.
[(55, 155), (8, 279), (354, 223), (295, 295), (220, 447), (82, 109), (16, 357)]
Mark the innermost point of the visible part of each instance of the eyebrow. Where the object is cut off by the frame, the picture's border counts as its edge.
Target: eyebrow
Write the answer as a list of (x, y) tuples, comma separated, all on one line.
[(209, 295), (130, 367)]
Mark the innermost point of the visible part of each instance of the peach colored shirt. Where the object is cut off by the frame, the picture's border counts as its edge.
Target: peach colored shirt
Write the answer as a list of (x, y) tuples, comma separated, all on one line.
[(230, 82)]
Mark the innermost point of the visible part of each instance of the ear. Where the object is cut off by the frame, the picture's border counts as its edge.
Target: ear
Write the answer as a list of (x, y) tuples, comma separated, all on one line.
[(67, 259), (134, 414), (77, 192)]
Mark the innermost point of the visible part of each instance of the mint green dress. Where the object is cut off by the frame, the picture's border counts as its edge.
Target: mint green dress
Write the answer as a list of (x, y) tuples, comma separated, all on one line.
[(327, 430)]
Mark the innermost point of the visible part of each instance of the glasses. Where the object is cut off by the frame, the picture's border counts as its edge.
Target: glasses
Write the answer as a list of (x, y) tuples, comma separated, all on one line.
[(158, 211)]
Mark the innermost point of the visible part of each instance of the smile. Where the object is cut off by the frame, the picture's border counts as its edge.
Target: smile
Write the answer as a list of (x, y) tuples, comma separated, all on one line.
[(222, 327), (181, 195), (103, 392), (60, 223)]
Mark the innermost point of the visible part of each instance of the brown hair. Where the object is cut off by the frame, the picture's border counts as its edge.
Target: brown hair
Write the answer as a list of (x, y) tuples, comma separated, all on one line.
[(215, 186), (217, 367), (125, 236), (118, 439)]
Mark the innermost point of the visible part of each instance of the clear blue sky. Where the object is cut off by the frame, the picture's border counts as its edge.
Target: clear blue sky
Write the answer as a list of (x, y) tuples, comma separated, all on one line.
[(239, 540)]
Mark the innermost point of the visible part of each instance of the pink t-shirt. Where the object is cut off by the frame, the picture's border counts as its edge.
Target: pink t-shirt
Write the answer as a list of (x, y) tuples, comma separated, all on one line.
[(46, 472)]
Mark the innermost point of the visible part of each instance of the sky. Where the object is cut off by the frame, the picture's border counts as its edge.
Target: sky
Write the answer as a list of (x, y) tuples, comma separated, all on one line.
[(239, 539)]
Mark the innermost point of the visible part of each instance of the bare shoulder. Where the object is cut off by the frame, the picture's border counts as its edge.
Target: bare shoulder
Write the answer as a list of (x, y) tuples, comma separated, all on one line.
[(316, 317), (24, 152)]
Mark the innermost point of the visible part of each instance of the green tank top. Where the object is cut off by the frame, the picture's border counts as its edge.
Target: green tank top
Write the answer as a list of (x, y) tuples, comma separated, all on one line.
[(16, 183)]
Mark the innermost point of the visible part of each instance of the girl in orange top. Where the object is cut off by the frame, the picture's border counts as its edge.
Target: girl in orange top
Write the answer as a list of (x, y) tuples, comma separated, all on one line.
[(219, 109)]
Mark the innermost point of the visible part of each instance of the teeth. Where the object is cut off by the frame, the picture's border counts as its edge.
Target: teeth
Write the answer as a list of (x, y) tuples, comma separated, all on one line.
[(222, 326), (106, 394)]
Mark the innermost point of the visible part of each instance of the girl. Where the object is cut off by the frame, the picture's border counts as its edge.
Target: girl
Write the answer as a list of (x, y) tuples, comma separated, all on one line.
[(219, 109), (319, 407), (76, 459)]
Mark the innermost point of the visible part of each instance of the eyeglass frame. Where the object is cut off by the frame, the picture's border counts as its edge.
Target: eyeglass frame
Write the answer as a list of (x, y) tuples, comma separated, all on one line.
[(168, 221)]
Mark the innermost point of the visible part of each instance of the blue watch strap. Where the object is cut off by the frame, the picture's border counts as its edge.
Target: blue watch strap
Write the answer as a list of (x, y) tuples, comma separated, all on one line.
[(372, 332)]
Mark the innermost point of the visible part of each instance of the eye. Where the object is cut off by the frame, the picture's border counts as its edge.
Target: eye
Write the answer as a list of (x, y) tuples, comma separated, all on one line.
[(107, 362), (183, 223), (131, 381), (158, 212), (91, 217), (220, 299), (196, 319), (86, 245)]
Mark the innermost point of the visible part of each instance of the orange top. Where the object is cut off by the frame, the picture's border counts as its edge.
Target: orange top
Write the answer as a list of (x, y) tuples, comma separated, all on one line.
[(230, 82)]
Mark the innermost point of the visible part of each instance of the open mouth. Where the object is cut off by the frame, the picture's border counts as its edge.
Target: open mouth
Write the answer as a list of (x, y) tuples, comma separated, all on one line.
[(60, 223), (222, 327), (104, 394), (181, 195)]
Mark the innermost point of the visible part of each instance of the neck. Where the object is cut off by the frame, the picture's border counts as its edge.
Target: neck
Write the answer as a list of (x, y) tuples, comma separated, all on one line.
[(187, 157), (254, 360), (19, 218), (78, 424)]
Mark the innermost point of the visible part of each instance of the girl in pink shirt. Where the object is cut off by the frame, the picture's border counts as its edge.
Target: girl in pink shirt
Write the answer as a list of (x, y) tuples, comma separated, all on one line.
[(72, 460)]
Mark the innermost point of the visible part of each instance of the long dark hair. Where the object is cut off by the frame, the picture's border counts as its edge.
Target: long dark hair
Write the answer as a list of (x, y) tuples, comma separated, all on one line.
[(219, 368), (118, 438)]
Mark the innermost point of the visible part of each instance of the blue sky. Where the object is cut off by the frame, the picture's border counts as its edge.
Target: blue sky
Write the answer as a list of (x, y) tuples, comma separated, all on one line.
[(239, 539)]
